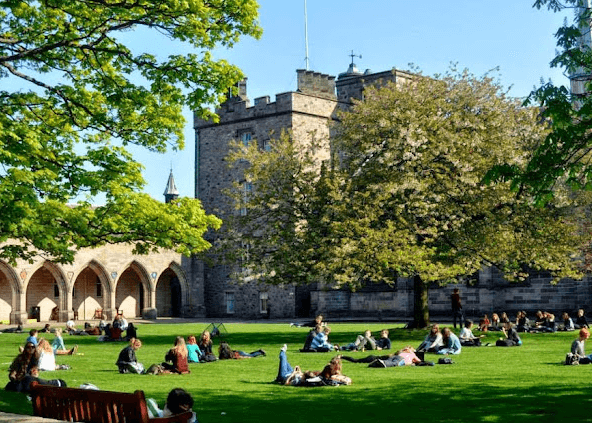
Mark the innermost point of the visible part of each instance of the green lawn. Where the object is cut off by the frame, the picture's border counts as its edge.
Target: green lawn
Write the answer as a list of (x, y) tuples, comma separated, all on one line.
[(489, 384)]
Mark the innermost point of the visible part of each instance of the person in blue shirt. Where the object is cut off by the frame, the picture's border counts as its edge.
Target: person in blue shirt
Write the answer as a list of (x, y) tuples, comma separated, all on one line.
[(321, 341), (32, 337), (193, 349), (451, 343)]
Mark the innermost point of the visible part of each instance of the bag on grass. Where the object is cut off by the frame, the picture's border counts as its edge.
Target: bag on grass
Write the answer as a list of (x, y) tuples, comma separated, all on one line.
[(571, 359), (155, 369), (445, 360)]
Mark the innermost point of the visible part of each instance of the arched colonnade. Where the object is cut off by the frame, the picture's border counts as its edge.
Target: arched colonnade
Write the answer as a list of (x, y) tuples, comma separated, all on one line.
[(89, 290)]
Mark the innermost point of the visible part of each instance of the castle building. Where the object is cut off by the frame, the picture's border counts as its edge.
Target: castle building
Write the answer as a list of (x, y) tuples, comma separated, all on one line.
[(312, 107)]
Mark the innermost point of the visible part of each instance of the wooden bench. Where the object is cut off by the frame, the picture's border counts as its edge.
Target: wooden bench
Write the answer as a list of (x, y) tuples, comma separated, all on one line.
[(90, 406)]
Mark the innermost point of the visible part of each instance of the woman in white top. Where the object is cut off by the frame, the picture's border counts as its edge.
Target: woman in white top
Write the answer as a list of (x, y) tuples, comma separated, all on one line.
[(46, 356)]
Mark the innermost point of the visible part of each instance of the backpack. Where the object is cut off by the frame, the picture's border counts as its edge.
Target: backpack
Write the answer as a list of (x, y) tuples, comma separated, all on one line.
[(571, 359), (445, 360)]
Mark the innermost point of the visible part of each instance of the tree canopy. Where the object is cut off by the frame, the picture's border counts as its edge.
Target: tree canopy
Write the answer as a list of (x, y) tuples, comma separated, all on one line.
[(564, 155), (75, 94), (403, 195)]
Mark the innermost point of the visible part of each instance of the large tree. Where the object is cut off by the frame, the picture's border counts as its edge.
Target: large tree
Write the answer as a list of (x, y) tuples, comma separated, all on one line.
[(403, 196), (76, 93), (564, 156)]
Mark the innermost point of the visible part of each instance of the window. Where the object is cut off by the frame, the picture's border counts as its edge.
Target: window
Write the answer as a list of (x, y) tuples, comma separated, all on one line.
[(246, 138), (74, 292), (267, 145), (56, 290), (230, 302), (99, 288), (247, 190), (264, 302), (245, 257)]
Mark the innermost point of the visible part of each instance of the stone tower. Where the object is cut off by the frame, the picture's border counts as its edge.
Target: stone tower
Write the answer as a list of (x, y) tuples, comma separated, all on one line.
[(310, 108)]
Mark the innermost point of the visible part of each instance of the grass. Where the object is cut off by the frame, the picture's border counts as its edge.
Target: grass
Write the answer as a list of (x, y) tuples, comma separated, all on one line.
[(486, 384)]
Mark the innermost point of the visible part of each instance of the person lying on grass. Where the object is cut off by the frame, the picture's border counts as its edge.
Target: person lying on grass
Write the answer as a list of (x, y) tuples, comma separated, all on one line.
[(330, 375), (403, 357), (367, 341), (362, 342), (227, 353)]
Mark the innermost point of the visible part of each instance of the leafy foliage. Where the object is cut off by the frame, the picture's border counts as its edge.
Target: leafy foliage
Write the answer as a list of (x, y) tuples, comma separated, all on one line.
[(403, 196), (76, 93), (564, 155)]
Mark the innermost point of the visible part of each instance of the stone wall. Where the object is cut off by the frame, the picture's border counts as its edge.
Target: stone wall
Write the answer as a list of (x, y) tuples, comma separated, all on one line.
[(491, 293)]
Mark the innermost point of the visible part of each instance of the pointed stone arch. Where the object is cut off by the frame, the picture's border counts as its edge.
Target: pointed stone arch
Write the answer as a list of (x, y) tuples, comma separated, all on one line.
[(40, 295), (133, 290), (11, 299), (172, 291), (87, 295)]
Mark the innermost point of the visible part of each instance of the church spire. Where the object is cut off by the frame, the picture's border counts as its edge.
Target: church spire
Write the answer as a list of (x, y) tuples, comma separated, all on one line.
[(171, 193)]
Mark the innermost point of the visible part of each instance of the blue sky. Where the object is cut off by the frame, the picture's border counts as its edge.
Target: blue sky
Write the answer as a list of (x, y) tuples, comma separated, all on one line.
[(477, 34)]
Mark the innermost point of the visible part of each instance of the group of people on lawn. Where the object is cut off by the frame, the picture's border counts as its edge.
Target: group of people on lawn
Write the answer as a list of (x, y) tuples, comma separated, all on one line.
[(39, 354)]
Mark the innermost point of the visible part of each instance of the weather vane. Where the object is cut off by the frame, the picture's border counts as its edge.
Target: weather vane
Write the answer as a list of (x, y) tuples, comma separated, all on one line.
[(352, 55)]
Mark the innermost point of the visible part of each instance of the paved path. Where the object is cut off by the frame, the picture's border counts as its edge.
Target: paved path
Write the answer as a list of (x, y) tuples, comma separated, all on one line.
[(20, 418)]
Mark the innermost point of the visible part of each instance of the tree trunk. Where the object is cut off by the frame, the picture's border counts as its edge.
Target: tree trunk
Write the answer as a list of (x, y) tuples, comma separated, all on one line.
[(421, 311)]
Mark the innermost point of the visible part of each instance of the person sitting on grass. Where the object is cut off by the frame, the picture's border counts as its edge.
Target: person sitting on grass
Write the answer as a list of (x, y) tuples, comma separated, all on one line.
[(581, 321), (450, 343), (495, 323), (46, 356), (58, 345), (309, 338), (25, 369), (193, 351), (178, 401), (127, 361), (578, 348), (331, 374), (321, 343), (467, 339), (484, 323), (362, 342), (511, 337), (176, 358), (32, 337), (522, 322), (383, 343), (432, 341), (205, 345), (227, 353), (568, 324), (403, 357)]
